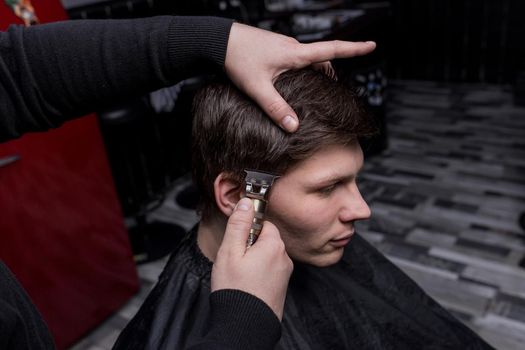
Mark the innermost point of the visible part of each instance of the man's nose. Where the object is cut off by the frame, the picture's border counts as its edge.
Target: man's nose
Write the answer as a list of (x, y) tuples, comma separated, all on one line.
[(354, 207)]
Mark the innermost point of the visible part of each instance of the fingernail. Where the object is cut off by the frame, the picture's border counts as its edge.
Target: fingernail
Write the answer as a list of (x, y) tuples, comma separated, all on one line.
[(289, 123), (244, 204)]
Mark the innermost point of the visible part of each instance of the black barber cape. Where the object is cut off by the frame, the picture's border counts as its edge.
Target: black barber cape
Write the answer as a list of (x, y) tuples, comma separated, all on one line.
[(363, 302), (21, 326)]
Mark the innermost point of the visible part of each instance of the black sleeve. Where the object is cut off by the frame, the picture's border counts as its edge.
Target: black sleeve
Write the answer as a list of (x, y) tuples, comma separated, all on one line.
[(240, 321), (53, 72), (21, 326)]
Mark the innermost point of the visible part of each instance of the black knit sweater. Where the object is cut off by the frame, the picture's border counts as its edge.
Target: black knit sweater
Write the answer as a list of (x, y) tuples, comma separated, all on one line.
[(55, 72), (52, 72)]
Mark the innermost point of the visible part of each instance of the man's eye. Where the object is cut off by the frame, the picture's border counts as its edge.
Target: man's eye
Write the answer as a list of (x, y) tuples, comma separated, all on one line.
[(326, 191)]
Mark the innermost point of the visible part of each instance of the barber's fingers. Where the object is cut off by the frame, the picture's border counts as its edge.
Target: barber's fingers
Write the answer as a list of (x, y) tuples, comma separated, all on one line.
[(326, 68), (329, 50), (237, 229), (270, 244), (270, 239), (264, 93), (275, 106)]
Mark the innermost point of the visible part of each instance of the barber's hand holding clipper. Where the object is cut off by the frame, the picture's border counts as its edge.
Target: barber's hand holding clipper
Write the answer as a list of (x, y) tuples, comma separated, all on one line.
[(263, 270)]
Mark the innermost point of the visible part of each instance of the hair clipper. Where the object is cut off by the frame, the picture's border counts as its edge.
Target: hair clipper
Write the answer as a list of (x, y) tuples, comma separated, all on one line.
[(258, 185)]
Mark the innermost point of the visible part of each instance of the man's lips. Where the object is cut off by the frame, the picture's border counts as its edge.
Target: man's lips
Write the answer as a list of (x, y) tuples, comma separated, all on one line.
[(345, 237), (342, 241)]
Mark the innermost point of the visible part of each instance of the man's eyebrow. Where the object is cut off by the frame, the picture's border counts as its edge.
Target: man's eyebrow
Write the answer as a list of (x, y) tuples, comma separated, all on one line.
[(333, 178), (330, 179)]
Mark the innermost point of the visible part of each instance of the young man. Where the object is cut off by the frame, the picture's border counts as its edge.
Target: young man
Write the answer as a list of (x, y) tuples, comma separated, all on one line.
[(343, 294)]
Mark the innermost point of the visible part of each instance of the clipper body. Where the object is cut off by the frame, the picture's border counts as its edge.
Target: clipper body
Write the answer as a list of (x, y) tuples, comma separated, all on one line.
[(258, 185)]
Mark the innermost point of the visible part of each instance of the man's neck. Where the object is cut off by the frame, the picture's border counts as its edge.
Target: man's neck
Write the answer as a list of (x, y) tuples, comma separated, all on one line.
[(209, 237)]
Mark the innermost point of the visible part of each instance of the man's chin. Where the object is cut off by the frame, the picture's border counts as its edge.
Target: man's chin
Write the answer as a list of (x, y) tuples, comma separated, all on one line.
[(323, 260)]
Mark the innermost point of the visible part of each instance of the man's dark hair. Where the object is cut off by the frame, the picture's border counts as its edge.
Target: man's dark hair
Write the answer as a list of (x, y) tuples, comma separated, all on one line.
[(231, 133)]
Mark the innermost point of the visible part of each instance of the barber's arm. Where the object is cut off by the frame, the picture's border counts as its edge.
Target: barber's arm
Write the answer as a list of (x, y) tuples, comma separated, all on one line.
[(53, 72)]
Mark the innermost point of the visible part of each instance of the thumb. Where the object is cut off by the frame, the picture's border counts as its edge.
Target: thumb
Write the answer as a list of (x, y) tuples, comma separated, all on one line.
[(275, 106), (237, 228), (269, 233)]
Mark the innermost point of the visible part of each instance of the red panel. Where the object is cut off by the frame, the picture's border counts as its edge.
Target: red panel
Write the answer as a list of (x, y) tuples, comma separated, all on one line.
[(46, 11), (61, 227)]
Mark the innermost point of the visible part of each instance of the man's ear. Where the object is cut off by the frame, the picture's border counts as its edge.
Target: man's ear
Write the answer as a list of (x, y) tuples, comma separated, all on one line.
[(227, 193)]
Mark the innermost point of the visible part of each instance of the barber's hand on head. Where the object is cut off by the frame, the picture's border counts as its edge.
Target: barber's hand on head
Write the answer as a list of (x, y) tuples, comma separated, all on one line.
[(255, 57), (263, 270)]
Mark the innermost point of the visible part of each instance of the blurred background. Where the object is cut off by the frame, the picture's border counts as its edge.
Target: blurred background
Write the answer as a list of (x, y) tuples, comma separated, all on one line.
[(445, 179)]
